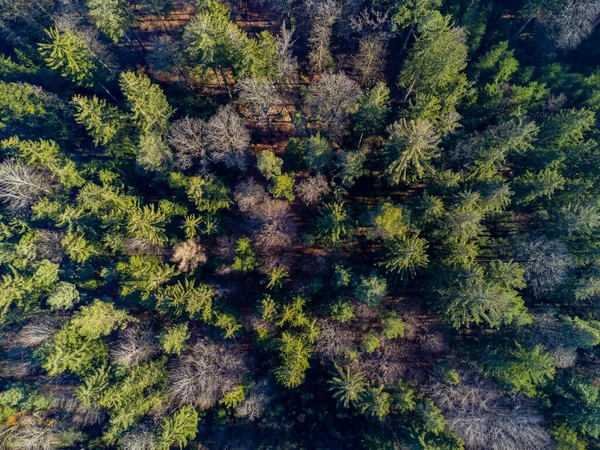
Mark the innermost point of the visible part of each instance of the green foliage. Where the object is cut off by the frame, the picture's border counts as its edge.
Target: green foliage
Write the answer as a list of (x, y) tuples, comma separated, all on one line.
[(521, 369), (208, 193), (371, 289), (110, 16), (348, 387), (376, 402), (174, 340), (149, 106), (234, 398), (186, 297), (479, 300), (373, 110), (179, 428), (102, 121), (72, 350), (334, 225), (405, 256), (295, 350), (408, 150), (64, 297), (228, 324), (317, 152), (70, 55), (370, 342), (342, 311), (393, 326), (46, 155), (134, 393), (245, 258), (269, 164), (283, 186), (100, 319), (435, 64), (388, 221)]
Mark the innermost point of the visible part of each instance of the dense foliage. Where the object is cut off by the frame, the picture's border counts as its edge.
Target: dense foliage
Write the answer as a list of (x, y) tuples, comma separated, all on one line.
[(294, 224)]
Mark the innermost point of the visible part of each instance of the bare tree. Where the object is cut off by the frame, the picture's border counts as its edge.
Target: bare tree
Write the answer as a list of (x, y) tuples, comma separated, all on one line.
[(21, 186), (280, 233), (575, 21), (163, 54), (256, 402), (228, 138), (188, 255), (369, 61), (331, 100), (48, 245), (29, 434), (249, 194), (260, 96), (35, 333), (141, 438), (134, 346), (140, 246), (484, 417), (546, 263), (325, 15), (205, 373), (189, 139), (287, 62), (312, 189)]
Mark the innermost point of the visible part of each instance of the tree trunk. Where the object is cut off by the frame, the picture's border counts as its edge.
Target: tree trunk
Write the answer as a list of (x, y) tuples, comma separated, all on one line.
[(517, 34), (405, 43)]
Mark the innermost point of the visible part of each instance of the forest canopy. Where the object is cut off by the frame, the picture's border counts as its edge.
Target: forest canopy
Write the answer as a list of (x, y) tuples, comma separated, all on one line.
[(300, 224)]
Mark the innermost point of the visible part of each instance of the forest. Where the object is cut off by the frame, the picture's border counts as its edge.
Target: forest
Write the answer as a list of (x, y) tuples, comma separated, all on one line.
[(300, 224)]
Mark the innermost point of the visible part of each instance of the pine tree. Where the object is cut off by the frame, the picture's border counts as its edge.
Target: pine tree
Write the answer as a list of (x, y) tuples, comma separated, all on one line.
[(179, 428), (110, 16), (70, 55), (102, 121), (348, 387), (147, 102), (408, 150)]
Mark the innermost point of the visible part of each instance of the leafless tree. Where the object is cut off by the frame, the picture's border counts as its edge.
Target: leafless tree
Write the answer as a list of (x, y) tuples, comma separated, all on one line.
[(163, 55), (256, 402), (546, 263), (228, 138), (140, 246), (189, 255), (335, 340), (373, 23), (205, 373), (248, 194), (564, 356), (484, 417), (270, 210), (21, 186), (331, 100), (188, 137), (286, 61), (134, 346), (369, 61), (312, 189), (260, 96), (278, 233), (30, 434), (48, 245), (39, 330), (574, 22), (141, 438), (324, 16)]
